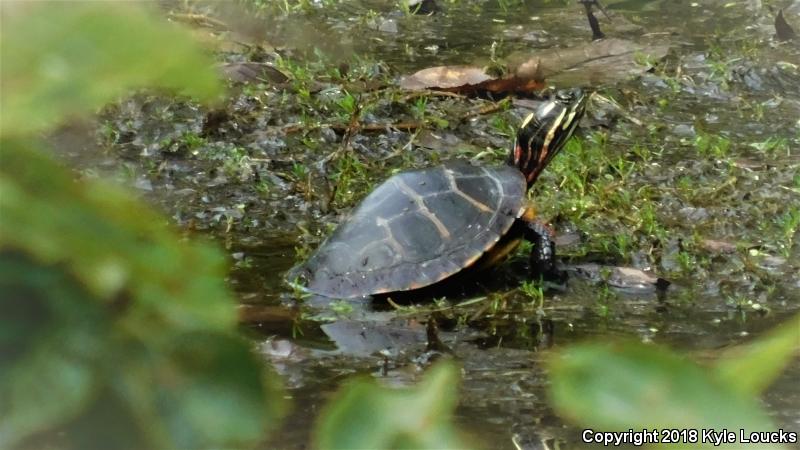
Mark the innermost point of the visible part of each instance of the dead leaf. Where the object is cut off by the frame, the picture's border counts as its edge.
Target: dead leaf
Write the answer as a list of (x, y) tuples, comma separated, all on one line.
[(439, 141), (445, 77), (624, 278), (466, 80), (253, 72), (718, 247), (599, 62), (635, 279)]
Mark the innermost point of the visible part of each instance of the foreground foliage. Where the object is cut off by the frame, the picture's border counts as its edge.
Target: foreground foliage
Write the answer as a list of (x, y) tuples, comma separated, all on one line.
[(365, 415), (118, 48), (114, 332), (623, 386)]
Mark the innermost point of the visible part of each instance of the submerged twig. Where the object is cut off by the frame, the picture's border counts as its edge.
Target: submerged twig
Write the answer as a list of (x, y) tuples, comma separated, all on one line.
[(783, 31), (402, 126), (593, 22), (487, 109), (611, 103), (431, 93)]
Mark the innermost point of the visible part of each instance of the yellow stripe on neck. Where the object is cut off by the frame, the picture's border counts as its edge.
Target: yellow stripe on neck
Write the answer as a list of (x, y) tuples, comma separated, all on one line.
[(527, 120)]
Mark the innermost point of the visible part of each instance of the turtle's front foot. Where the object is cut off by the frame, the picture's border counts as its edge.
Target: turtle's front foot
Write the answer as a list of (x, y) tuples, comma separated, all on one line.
[(543, 255)]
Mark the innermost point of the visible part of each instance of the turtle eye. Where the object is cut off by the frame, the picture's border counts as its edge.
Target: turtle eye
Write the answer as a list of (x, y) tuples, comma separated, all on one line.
[(575, 107), (569, 96)]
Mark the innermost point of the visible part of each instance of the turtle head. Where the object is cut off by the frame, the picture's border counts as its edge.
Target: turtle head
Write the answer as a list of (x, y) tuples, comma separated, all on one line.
[(544, 132)]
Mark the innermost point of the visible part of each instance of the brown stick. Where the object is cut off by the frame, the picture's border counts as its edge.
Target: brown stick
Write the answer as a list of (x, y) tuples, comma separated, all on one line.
[(431, 93), (266, 313), (403, 126), (487, 109)]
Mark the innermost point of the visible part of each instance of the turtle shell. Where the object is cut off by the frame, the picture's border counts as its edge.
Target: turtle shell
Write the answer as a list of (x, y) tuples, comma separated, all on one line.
[(415, 229)]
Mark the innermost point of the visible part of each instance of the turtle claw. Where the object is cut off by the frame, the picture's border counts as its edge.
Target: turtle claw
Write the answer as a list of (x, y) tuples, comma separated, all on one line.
[(545, 268)]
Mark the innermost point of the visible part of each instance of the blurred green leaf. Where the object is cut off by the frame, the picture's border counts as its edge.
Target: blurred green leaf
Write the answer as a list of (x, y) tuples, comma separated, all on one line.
[(113, 332), (62, 59), (114, 245), (364, 415), (632, 385), (206, 374), (110, 303), (55, 357), (753, 367)]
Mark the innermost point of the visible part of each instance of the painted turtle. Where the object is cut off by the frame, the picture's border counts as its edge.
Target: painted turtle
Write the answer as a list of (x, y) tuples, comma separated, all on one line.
[(421, 227)]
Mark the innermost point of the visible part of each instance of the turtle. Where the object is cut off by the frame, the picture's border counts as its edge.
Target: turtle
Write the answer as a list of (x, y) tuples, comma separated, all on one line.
[(421, 227)]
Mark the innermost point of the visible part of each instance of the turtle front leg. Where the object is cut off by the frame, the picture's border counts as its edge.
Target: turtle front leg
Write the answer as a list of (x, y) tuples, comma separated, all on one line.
[(543, 255)]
